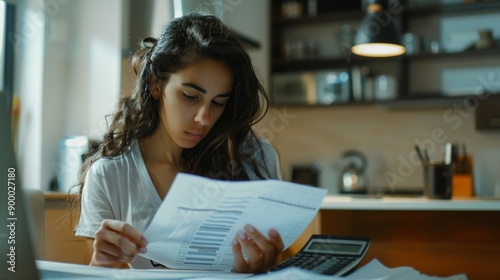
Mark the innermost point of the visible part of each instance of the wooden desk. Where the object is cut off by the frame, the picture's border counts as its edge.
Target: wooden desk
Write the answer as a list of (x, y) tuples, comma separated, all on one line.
[(61, 245), (439, 238)]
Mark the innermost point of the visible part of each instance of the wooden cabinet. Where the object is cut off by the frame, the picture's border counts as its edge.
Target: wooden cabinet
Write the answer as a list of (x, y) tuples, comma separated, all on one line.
[(435, 237), (441, 243), (440, 70), (61, 245)]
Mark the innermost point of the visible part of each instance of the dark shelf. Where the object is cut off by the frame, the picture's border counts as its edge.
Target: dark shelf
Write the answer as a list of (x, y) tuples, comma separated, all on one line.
[(402, 64), (285, 65), (299, 105), (425, 10), (321, 18), (425, 100), (470, 53)]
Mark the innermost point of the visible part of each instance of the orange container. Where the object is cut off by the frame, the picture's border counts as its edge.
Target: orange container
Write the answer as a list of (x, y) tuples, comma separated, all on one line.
[(463, 181), (463, 185)]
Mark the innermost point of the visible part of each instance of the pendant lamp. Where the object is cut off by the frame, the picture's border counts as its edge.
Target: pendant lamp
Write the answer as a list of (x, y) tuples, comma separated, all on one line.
[(378, 35)]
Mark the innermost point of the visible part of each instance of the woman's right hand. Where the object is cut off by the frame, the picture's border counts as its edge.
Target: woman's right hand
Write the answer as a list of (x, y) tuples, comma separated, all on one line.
[(116, 243)]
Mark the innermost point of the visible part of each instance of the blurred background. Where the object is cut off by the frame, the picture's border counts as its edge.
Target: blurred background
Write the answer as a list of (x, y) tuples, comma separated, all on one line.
[(65, 62)]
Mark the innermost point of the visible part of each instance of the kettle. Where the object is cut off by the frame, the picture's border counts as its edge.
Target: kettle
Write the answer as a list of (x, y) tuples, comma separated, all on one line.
[(352, 178)]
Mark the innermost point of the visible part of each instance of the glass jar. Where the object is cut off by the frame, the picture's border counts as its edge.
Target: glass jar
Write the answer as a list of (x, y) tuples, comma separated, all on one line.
[(291, 9), (485, 40)]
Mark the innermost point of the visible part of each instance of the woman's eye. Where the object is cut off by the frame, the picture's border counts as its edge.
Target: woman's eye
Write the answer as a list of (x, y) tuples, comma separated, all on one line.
[(190, 97), (218, 104)]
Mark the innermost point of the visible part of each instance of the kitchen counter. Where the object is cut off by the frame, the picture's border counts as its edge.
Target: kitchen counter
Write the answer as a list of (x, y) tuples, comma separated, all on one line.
[(360, 202), (61, 244), (436, 237)]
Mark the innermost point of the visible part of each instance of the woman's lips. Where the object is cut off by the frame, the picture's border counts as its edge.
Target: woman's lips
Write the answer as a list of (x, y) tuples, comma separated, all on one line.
[(193, 135)]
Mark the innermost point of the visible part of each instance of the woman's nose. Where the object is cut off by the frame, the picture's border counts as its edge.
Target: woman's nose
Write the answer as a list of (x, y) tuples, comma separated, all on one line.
[(203, 115)]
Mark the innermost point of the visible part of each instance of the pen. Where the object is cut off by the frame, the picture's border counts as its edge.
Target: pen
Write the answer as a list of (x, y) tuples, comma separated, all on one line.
[(455, 152), (447, 154), (419, 153), (427, 159)]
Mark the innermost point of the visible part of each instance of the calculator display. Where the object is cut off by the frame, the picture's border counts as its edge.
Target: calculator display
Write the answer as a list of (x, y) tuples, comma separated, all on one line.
[(329, 247)]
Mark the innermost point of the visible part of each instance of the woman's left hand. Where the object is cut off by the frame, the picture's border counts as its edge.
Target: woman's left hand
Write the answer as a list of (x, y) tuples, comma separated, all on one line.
[(262, 252)]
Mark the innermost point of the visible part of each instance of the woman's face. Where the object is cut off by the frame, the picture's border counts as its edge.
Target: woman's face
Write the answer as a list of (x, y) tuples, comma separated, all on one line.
[(193, 100)]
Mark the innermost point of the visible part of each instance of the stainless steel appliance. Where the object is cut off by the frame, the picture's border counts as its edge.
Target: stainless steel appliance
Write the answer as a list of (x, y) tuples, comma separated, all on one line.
[(352, 178), (307, 174)]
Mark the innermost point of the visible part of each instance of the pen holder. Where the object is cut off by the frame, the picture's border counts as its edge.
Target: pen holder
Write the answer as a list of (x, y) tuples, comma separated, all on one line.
[(463, 181), (438, 180)]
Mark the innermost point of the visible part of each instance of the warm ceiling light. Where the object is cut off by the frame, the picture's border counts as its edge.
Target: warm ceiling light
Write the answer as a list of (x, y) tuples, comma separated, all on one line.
[(378, 49), (378, 35)]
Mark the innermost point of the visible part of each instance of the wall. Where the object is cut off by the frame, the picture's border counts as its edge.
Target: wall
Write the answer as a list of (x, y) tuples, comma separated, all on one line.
[(387, 137), (68, 78), (28, 86), (241, 15)]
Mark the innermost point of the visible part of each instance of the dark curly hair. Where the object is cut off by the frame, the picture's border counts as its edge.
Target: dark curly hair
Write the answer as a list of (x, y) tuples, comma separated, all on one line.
[(182, 42)]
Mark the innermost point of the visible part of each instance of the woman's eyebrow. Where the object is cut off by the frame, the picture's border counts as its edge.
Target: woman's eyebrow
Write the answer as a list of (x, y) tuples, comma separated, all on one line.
[(202, 90), (195, 87)]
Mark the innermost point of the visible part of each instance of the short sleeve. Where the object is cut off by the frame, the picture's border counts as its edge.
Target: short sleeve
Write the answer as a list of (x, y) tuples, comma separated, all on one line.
[(271, 160), (266, 157), (95, 206)]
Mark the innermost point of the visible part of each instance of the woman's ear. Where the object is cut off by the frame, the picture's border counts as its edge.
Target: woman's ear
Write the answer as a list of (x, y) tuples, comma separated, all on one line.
[(155, 88), (155, 93)]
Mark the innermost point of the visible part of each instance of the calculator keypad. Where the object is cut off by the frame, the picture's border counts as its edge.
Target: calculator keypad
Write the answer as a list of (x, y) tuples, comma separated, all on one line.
[(319, 263)]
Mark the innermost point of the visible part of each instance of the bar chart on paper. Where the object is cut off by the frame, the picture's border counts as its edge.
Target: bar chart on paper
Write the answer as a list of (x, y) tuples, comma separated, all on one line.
[(200, 217), (212, 234)]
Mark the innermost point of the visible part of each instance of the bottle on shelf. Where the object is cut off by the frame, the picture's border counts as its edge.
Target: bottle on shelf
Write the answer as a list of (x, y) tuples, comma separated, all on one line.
[(291, 9)]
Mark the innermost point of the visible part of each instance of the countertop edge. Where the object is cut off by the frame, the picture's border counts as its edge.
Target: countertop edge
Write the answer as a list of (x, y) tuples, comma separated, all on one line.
[(51, 195), (332, 202)]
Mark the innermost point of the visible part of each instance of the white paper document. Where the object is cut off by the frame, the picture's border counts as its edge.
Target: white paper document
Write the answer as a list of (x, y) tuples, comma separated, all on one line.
[(374, 270), (57, 271), (199, 218)]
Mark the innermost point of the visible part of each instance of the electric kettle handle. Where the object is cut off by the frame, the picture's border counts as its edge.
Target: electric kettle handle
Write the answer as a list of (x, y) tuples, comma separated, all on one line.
[(358, 154)]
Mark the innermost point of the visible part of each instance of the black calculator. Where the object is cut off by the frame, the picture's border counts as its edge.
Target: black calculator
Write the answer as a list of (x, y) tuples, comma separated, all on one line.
[(329, 254)]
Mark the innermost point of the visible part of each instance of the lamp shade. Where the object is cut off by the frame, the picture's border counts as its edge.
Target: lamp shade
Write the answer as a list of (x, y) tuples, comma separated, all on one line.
[(378, 35)]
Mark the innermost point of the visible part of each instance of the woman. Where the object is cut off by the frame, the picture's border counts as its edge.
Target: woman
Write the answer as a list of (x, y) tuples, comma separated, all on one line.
[(195, 100)]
